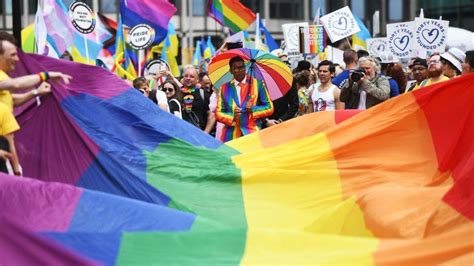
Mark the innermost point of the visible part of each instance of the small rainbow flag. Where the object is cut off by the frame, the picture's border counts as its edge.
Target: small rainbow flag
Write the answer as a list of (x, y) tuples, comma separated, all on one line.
[(231, 13)]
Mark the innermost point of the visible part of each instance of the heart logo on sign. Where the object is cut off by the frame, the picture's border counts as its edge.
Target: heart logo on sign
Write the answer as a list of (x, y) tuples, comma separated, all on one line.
[(340, 24), (430, 35), (401, 43), (377, 49)]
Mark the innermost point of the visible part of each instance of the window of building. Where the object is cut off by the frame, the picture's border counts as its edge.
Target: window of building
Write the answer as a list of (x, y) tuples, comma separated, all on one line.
[(336, 4), (254, 5), (287, 9), (318, 3), (358, 8), (108, 7), (395, 10), (199, 7)]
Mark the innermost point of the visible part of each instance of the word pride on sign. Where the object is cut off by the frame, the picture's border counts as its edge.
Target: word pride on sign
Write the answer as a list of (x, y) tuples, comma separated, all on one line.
[(376, 46), (431, 34), (400, 39), (340, 24), (312, 39), (141, 36), (82, 16)]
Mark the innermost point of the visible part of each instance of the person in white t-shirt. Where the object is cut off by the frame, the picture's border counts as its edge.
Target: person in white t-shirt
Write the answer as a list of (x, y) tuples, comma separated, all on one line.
[(141, 84), (326, 96)]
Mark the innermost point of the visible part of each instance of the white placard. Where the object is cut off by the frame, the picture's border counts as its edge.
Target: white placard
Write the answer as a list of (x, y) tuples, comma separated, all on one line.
[(291, 33), (82, 17), (401, 38), (141, 36), (155, 66), (376, 46), (340, 24), (431, 35)]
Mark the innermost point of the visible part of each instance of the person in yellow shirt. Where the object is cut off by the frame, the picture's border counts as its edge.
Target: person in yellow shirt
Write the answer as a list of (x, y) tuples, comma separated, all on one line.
[(8, 59), (8, 124), (435, 71)]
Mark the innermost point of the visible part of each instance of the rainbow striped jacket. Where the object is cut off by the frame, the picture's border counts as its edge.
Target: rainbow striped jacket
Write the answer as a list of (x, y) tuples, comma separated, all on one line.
[(249, 122)]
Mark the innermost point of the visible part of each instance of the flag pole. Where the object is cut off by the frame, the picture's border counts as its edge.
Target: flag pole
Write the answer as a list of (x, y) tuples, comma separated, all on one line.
[(86, 48), (140, 58)]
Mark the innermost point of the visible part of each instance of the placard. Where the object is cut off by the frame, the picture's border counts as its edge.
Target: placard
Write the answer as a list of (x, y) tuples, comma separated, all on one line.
[(401, 37), (141, 36), (155, 66), (82, 17), (376, 46), (291, 33), (431, 35), (340, 24), (312, 39)]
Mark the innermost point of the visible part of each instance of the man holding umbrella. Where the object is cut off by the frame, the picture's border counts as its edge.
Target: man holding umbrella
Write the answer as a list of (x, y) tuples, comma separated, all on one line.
[(243, 102)]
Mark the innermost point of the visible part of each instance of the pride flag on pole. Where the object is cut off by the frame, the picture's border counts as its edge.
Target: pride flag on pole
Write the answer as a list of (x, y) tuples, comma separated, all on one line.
[(155, 13), (231, 13), (359, 40)]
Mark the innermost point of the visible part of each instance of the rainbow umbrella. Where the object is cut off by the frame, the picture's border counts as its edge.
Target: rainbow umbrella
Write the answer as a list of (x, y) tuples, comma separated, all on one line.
[(260, 65)]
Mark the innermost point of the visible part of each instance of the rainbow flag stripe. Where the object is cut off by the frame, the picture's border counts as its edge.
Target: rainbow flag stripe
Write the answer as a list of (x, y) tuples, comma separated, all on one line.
[(391, 185), (155, 13), (231, 13)]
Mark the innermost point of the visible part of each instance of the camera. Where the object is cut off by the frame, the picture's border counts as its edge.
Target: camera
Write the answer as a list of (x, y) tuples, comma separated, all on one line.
[(357, 74)]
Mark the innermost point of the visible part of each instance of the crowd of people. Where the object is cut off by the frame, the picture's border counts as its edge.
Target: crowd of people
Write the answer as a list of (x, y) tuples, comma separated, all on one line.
[(243, 106)]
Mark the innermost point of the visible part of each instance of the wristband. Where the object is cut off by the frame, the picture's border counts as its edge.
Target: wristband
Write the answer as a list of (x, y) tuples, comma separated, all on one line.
[(43, 76), (34, 92)]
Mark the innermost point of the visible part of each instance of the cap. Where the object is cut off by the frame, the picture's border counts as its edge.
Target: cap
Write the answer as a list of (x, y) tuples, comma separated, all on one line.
[(455, 56), (387, 58), (419, 62), (303, 65), (279, 53)]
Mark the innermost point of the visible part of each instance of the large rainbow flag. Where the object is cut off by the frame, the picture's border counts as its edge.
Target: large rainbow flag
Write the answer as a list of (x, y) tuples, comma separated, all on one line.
[(121, 182), (231, 13)]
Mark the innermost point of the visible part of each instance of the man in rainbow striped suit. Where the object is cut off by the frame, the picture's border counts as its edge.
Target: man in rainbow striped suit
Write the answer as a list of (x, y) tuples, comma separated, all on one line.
[(242, 103)]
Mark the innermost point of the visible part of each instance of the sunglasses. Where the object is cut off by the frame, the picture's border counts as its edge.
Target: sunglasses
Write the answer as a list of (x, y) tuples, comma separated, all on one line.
[(167, 89)]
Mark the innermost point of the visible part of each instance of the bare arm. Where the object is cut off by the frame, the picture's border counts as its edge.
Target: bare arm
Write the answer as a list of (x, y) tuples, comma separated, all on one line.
[(21, 98), (339, 105), (14, 157), (31, 80), (211, 121)]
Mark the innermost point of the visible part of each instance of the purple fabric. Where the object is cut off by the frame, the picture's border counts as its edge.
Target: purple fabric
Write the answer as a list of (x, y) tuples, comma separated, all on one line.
[(38, 206), (156, 11), (67, 151), (18, 246), (87, 79)]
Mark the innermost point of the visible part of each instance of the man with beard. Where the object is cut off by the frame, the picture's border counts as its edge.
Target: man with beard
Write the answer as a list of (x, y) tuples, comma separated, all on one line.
[(365, 88), (435, 71), (419, 68), (195, 110)]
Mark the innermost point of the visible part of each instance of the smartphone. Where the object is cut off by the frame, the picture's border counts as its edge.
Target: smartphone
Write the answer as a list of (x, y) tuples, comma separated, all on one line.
[(234, 45)]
